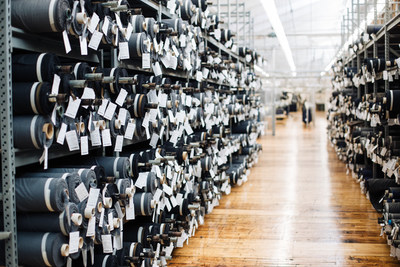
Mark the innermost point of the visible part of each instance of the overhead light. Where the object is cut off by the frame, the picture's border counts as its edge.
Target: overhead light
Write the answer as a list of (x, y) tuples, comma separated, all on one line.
[(272, 13)]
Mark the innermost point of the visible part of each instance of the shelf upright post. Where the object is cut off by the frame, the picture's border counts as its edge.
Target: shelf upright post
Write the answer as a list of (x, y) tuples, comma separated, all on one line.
[(229, 14), (6, 129), (358, 54), (237, 19), (387, 48), (375, 54), (244, 25)]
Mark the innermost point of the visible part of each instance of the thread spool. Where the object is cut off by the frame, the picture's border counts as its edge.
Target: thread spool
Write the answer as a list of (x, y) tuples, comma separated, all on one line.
[(49, 15)]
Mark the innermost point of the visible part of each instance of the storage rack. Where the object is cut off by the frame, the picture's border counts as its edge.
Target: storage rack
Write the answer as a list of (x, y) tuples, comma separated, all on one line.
[(15, 38), (360, 115)]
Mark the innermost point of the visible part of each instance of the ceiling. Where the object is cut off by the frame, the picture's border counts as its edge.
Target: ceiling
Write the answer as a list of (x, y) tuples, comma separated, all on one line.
[(312, 27)]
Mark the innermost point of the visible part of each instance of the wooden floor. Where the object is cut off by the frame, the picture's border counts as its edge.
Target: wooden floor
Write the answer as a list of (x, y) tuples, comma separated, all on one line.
[(297, 209)]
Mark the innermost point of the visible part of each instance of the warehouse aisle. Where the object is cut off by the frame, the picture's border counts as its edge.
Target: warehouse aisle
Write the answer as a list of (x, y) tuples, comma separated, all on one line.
[(298, 207)]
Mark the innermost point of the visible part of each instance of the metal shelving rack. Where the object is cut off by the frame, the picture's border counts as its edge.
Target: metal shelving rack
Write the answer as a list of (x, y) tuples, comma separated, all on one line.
[(7, 197), (14, 38)]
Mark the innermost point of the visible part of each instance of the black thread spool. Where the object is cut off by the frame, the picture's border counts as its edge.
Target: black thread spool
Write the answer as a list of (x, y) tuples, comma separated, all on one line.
[(138, 23), (215, 21), (152, 27), (202, 4), (33, 132), (131, 253), (32, 246), (41, 194), (373, 29), (34, 67), (243, 51), (392, 101), (143, 203), (226, 35), (152, 183), (73, 180), (83, 71), (109, 260), (114, 80), (175, 24), (394, 192), (115, 126), (108, 39), (243, 127), (154, 232), (78, 19), (134, 232), (137, 45), (392, 207), (125, 190), (140, 106), (187, 9), (140, 131), (67, 221), (48, 15), (113, 166), (32, 98), (376, 189)]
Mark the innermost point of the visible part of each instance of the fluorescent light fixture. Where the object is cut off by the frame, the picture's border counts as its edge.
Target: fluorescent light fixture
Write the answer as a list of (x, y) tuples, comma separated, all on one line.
[(272, 13)]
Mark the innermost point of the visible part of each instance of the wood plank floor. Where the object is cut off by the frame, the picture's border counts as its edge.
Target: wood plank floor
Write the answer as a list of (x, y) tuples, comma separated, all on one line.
[(297, 209)]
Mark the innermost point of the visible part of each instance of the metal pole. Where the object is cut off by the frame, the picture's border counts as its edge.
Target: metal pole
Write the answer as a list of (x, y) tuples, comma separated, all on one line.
[(237, 20), (6, 129), (219, 9), (273, 95), (244, 25), (229, 14)]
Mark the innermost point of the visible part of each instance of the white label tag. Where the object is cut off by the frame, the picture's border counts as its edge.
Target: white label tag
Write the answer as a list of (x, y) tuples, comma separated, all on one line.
[(106, 137), (56, 84), (103, 106), (73, 107), (118, 143), (110, 111), (123, 50), (93, 197), (91, 227), (67, 44), (130, 129), (105, 26), (111, 221), (81, 192), (122, 116), (154, 140), (94, 21), (130, 210), (95, 40), (107, 243), (95, 137), (146, 63), (84, 145), (157, 69), (121, 97), (72, 140), (83, 44), (167, 189), (73, 242), (61, 134), (199, 76), (141, 180)]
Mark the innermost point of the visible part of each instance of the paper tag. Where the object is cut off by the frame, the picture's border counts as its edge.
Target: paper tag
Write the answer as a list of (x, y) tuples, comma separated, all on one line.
[(167, 204), (146, 63), (167, 189), (56, 84), (141, 180), (81, 192), (157, 69), (110, 111), (84, 145), (61, 134), (123, 50), (93, 197), (121, 97), (154, 140), (130, 129), (83, 44), (73, 242), (103, 106), (91, 227), (173, 201), (95, 137), (119, 143), (73, 107), (107, 243), (105, 26), (385, 75), (94, 21), (157, 194), (176, 52), (199, 76), (101, 221), (130, 210), (72, 140), (122, 115), (111, 221), (106, 137), (95, 40), (67, 44)]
